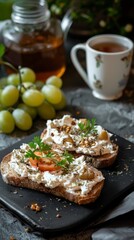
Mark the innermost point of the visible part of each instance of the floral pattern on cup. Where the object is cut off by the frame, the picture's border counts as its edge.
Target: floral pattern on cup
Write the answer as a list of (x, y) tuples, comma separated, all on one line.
[(97, 82), (98, 59), (127, 59), (122, 83)]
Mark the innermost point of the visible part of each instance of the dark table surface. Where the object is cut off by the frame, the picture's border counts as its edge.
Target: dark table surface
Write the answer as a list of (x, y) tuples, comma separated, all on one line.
[(118, 117)]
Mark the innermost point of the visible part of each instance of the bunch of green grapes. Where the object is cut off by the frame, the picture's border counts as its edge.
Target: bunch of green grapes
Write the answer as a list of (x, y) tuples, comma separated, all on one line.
[(23, 98)]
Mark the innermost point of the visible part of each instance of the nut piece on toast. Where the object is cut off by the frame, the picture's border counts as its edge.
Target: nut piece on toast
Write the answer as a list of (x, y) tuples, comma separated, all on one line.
[(82, 137), (37, 166)]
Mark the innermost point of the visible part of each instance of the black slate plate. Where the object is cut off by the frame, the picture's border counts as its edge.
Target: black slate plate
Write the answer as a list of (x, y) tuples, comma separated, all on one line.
[(58, 215)]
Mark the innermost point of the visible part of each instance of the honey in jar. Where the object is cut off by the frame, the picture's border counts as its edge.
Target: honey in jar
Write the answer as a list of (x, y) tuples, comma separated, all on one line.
[(33, 39)]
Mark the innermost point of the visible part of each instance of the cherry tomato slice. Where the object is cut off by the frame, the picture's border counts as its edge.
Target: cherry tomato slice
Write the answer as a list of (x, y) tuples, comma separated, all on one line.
[(44, 163)]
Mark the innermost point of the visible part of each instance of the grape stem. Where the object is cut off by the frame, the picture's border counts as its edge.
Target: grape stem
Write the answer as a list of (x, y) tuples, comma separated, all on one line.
[(15, 69), (20, 78), (8, 64)]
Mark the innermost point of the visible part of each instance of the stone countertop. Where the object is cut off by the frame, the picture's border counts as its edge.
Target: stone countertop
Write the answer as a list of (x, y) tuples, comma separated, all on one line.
[(117, 116)]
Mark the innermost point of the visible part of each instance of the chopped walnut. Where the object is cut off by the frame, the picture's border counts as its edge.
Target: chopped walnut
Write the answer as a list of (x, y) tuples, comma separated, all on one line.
[(68, 139), (86, 143), (64, 128), (35, 207), (12, 238), (73, 123)]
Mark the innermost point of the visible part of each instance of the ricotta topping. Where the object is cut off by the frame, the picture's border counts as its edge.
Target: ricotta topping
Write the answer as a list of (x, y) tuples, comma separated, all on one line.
[(66, 133), (79, 179)]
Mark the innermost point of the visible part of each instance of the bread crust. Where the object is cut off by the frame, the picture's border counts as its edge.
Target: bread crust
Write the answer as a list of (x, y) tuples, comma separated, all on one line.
[(101, 161), (11, 177)]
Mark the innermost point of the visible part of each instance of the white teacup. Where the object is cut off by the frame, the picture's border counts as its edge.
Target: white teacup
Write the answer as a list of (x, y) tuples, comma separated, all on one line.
[(108, 62)]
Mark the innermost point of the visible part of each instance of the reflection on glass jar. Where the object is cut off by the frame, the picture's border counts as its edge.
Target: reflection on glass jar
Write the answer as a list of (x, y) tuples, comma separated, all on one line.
[(34, 40)]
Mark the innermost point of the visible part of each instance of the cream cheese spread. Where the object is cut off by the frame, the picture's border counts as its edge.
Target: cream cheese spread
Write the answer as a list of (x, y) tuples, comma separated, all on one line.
[(65, 132), (75, 180)]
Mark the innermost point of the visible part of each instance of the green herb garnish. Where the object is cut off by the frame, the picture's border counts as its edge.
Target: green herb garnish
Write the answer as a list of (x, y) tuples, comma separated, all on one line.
[(88, 127), (31, 154), (66, 160), (49, 154), (37, 145)]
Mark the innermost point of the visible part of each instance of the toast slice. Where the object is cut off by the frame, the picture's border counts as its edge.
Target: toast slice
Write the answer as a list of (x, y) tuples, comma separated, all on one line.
[(83, 137), (75, 181)]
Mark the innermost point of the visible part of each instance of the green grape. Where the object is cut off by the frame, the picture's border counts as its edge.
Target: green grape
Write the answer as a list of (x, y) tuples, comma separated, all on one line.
[(33, 97), (46, 111), (3, 82), (21, 88), (22, 119), (1, 107), (39, 84), (29, 85), (0, 94), (62, 104), (27, 75), (13, 79), (31, 110), (9, 95), (7, 123), (54, 80), (52, 93), (26, 85)]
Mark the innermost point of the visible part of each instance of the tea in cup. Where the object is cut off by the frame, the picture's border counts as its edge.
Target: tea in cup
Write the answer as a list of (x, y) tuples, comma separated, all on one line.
[(108, 62)]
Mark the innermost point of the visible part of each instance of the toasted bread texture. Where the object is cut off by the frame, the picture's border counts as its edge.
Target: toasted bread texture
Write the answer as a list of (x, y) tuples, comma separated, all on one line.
[(103, 161), (10, 176)]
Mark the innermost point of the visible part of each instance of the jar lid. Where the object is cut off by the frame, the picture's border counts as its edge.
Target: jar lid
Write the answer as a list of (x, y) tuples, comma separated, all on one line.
[(30, 11)]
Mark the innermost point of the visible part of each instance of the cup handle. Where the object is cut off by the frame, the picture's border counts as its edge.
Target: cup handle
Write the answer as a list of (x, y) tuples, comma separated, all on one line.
[(76, 62)]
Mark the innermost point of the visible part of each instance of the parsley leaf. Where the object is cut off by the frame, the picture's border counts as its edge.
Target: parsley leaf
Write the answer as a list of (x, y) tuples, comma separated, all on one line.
[(88, 127), (31, 154), (38, 144), (68, 156), (66, 160), (49, 154)]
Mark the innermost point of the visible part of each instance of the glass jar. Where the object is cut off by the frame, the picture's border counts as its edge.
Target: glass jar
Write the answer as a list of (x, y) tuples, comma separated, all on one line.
[(33, 39)]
